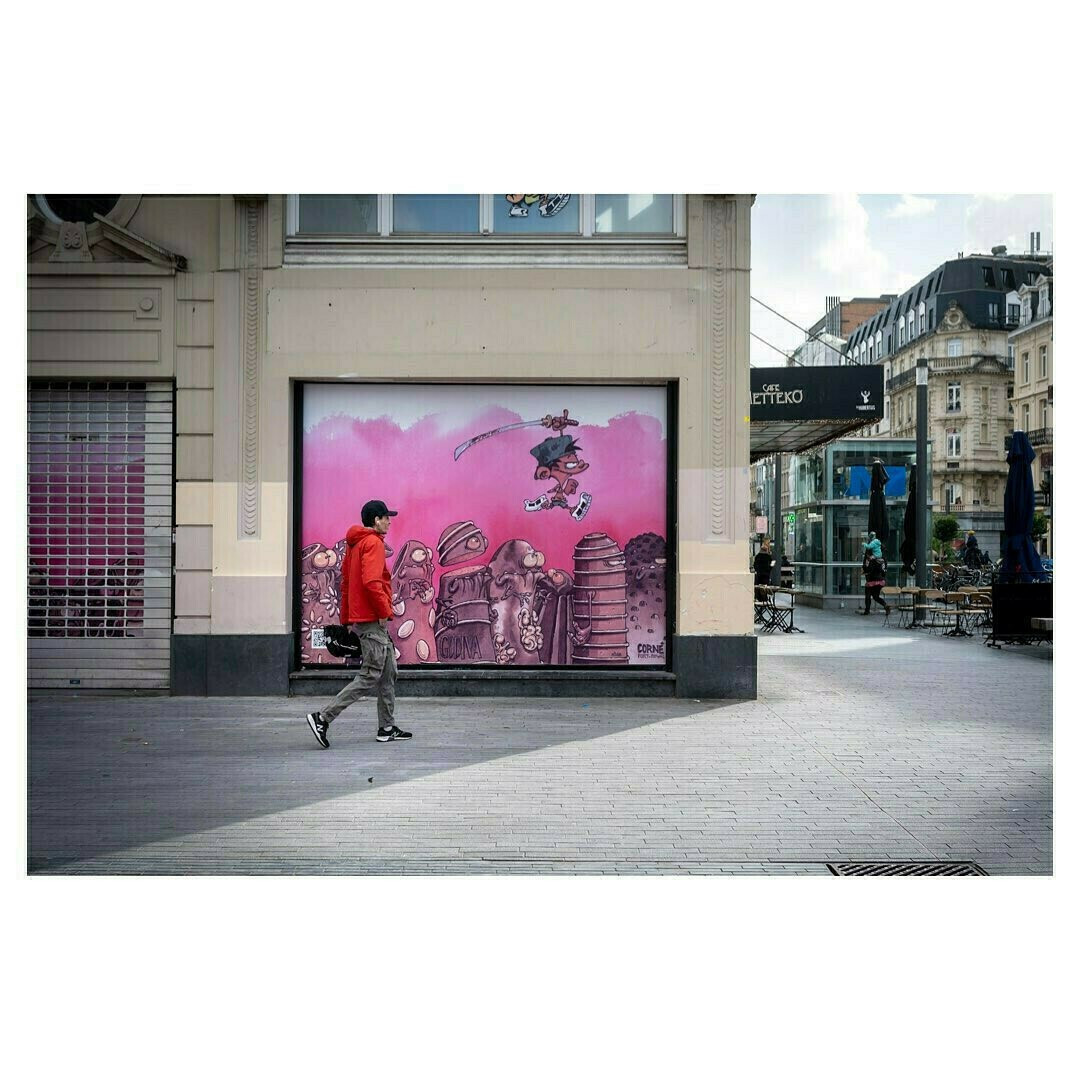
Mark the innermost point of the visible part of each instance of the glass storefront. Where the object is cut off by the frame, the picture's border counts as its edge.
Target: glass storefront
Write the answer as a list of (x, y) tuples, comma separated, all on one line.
[(826, 506)]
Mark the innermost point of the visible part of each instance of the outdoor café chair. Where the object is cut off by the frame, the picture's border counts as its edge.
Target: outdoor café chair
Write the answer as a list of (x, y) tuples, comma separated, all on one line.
[(891, 595)]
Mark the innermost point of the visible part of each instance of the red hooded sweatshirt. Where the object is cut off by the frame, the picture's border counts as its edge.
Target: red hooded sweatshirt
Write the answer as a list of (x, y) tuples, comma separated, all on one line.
[(365, 580)]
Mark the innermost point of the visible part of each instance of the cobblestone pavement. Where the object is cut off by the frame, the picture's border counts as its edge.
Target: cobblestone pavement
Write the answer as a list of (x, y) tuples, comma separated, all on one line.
[(866, 743)]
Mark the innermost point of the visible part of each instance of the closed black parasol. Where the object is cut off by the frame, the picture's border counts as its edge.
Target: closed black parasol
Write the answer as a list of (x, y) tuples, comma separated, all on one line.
[(907, 544), (879, 518), (1020, 560)]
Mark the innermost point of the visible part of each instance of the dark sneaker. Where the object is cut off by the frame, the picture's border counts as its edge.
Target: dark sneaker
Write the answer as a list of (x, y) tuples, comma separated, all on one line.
[(389, 734), (318, 728)]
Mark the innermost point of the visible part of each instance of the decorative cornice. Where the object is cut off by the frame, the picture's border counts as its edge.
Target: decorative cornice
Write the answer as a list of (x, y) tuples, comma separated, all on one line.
[(139, 246)]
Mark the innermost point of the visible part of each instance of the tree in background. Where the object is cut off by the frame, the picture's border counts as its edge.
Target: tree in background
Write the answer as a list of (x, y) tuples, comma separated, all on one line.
[(946, 529)]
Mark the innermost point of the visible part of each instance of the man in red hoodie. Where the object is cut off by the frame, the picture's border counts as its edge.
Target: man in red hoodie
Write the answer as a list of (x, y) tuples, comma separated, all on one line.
[(365, 610)]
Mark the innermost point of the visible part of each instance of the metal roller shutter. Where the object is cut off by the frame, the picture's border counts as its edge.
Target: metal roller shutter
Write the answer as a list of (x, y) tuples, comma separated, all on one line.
[(100, 463)]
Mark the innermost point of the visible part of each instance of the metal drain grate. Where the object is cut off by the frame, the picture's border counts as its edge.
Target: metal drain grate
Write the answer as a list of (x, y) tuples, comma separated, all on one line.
[(907, 869)]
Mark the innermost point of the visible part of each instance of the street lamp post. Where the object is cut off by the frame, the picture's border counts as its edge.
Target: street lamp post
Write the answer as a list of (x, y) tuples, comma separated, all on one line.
[(778, 526), (921, 485)]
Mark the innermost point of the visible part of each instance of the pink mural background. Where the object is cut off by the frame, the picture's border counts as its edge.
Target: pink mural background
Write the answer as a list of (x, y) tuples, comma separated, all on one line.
[(406, 457)]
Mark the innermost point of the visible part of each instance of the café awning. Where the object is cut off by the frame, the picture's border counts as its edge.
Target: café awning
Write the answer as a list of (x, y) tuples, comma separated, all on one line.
[(794, 409)]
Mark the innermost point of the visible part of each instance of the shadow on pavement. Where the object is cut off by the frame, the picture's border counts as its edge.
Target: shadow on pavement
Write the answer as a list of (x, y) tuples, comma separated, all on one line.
[(108, 774)]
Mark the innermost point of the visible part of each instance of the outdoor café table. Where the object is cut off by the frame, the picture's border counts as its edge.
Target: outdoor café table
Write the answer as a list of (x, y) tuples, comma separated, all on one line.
[(960, 610)]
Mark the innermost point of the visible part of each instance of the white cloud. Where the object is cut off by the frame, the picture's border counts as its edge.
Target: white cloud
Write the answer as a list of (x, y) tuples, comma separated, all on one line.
[(912, 206), (845, 250), (993, 219)]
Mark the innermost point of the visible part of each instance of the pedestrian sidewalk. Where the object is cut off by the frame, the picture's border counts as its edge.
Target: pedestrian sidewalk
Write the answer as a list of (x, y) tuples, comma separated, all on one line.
[(866, 743)]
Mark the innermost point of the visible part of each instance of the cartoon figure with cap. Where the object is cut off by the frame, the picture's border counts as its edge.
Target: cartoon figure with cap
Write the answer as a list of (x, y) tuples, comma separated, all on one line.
[(557, 459)]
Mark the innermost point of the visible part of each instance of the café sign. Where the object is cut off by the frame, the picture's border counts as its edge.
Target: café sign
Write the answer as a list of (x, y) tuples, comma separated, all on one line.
[(821, 394)]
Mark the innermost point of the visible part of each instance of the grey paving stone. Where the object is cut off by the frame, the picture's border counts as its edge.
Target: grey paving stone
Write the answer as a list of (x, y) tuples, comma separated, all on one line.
[(866, 743)]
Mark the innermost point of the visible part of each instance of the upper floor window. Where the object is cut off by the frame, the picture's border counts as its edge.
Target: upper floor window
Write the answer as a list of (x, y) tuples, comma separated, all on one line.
[(995, 311), (1042, 361), (1044, 414), (1014, 312), (639, 217), (956, 346), (336, 215), (900, 334), (1025, 366), (435, 214), (911, 325), (1031, 277), (922, 317), (1012, 356), (953, 447), (877, 342), (952, 397), (1007, 279), (988, 277)]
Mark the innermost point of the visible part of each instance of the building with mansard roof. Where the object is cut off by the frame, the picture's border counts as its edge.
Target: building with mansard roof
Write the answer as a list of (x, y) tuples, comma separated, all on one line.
[(959, 317)]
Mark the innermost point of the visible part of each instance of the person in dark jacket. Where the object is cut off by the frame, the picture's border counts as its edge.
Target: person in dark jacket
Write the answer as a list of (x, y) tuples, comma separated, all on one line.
[(763, 564), (365, 610), (972, 556)]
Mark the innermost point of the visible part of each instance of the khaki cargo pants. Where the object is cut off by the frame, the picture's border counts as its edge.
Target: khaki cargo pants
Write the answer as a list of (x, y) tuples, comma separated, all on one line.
[(378, 670)]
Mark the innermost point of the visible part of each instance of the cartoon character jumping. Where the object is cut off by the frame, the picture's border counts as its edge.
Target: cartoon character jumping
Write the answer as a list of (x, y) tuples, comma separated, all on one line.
[(557, 459)]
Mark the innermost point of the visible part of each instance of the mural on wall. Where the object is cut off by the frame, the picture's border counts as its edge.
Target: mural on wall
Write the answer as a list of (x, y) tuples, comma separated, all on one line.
[(480, 576), (548, 205)]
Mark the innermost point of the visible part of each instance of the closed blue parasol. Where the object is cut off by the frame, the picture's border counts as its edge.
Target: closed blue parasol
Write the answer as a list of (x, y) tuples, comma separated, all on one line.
[(1020, 561)]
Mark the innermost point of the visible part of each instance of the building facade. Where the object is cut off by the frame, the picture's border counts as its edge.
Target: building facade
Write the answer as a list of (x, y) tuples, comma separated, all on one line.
[(1031, 347), (958, 317), (217, 383)]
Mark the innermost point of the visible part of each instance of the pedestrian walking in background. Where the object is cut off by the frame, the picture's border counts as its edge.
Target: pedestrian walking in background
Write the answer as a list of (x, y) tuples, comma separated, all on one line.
[(873, 568), (763, 564), (365, 610), (972, 555)]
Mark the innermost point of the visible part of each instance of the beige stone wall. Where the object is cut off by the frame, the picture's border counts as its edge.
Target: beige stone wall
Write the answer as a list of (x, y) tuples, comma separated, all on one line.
[(237, 327), (495, 324)]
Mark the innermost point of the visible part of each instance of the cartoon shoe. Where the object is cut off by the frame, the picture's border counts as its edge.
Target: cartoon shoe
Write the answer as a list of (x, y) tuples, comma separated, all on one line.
[(582, 507), (536, 504), (552, 204)]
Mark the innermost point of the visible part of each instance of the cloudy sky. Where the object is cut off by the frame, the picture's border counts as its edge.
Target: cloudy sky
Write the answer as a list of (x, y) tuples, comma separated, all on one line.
[(807, 247)]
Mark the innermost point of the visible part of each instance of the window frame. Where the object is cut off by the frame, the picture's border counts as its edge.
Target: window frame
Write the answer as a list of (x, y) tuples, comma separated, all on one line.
[(1042, 361), (486, 229), (959, 343), (953, 443), (953, 401)]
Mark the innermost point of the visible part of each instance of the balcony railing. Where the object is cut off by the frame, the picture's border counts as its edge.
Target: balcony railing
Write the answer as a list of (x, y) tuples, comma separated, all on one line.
[(1038, 437), (902, 379)]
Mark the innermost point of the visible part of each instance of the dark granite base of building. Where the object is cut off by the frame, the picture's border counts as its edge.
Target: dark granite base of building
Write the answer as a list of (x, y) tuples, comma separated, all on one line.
[(259, 664), (231, 665), (709, 666)]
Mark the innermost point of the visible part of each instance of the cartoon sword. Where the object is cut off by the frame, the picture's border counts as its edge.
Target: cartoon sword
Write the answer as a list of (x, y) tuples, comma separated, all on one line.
[(546, 421)]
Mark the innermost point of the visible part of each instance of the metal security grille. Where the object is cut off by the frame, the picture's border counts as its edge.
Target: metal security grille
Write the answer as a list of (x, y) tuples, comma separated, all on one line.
[(912, 869), (100, 534)]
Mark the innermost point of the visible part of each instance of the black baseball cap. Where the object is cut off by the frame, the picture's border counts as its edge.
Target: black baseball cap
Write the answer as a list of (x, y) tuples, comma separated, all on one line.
[(376, 508)]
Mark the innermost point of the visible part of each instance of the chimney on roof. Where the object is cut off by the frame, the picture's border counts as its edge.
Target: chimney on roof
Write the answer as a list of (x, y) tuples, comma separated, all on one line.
[(999, 250)]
